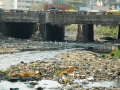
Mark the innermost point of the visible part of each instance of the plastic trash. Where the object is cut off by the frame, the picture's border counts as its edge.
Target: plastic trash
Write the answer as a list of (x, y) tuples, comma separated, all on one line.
[(71, 69)]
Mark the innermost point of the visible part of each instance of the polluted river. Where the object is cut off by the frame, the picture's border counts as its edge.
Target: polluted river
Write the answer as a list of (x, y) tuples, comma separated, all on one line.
[(55, 61)]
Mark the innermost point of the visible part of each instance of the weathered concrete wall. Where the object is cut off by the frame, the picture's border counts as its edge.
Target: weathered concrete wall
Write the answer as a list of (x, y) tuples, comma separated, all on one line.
[(119, 32), (19, 30), (82, 35), (90, 32), (52, 32), (1, 27), (85, 33)]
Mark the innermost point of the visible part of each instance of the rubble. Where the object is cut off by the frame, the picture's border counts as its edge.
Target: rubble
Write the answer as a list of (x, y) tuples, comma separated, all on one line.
[(81, 67)]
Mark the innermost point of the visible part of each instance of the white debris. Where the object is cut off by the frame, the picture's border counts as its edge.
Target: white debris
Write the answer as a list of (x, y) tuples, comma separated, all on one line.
[(47, 84), (84, 81), (90, 79)]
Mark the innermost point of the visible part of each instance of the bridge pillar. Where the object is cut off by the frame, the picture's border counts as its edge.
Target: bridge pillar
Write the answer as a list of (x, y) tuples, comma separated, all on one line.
[(19, 30), (119, 32), (90, 32), (52, 32), (1, 27), (85, 33), (82, 35)]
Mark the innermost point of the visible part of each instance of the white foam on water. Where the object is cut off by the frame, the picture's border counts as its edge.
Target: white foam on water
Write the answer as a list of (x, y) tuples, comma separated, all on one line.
[(5, 85)]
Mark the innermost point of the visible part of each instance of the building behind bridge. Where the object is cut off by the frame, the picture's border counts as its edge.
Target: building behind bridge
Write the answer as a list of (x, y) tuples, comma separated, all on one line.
[(20, 4)]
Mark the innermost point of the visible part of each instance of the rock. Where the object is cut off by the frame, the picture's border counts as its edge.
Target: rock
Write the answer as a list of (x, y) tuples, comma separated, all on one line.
[(33, 83), (21, 62), (13, 79), (84, 81), (14, 88), (72, 86), (1, 74), (39, 88)]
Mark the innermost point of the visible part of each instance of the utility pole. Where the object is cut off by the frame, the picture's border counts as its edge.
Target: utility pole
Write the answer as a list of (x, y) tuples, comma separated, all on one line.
[(0, 4), (43, 4), (92, 3), (33, 2)]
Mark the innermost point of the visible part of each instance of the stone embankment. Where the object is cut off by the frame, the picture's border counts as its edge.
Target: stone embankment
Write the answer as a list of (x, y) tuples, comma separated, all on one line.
[(73, 70)]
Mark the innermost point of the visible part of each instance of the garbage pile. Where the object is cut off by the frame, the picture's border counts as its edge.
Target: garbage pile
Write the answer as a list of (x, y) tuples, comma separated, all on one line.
[(36, 36), (75, 69)]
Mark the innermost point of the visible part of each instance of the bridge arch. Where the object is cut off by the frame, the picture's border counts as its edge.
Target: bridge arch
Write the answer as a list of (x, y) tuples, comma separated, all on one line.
[(18, 30), (52, 32)]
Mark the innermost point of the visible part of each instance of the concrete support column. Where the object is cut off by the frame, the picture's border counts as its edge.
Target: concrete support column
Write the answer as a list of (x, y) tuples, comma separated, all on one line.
[(52, 32), (119, 32), (85, 33), (90, 32), (1, 27), (82, 35)]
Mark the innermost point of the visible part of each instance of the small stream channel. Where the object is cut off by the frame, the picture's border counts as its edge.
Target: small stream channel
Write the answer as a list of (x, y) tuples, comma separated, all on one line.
[(28, 56)]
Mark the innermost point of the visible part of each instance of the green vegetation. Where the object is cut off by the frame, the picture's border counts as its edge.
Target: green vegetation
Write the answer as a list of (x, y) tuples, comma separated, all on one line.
[(107, 31), (39, 6), (6, 73), (75, 3), (71, 27), (110, 1), (112, 54), (116, 54), (103, 56), (57, 71), (59, 1)]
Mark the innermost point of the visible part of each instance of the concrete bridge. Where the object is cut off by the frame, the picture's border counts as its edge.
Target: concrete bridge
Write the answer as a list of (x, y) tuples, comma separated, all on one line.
[(22, 24)]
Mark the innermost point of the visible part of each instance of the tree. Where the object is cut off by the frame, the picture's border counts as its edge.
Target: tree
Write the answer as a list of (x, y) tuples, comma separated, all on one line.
[(85, 1), (59, 1), (75, 3), (39, 6), (110, 2)]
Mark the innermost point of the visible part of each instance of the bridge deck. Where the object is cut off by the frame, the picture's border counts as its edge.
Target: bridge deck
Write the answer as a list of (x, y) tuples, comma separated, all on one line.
[(58, 18)]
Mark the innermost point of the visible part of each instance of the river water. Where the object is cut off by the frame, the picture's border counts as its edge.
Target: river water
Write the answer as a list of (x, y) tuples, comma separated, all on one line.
[(10, 59)]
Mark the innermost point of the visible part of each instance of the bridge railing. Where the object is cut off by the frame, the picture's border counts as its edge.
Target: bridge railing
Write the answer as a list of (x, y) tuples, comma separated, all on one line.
[(81, 18), (59, 17), (51, 12), (20, 16), (54, 12), (20, 13)]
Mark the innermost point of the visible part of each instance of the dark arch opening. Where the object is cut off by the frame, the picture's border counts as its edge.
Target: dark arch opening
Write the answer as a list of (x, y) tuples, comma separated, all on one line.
[(52, 32), (19, 30)]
